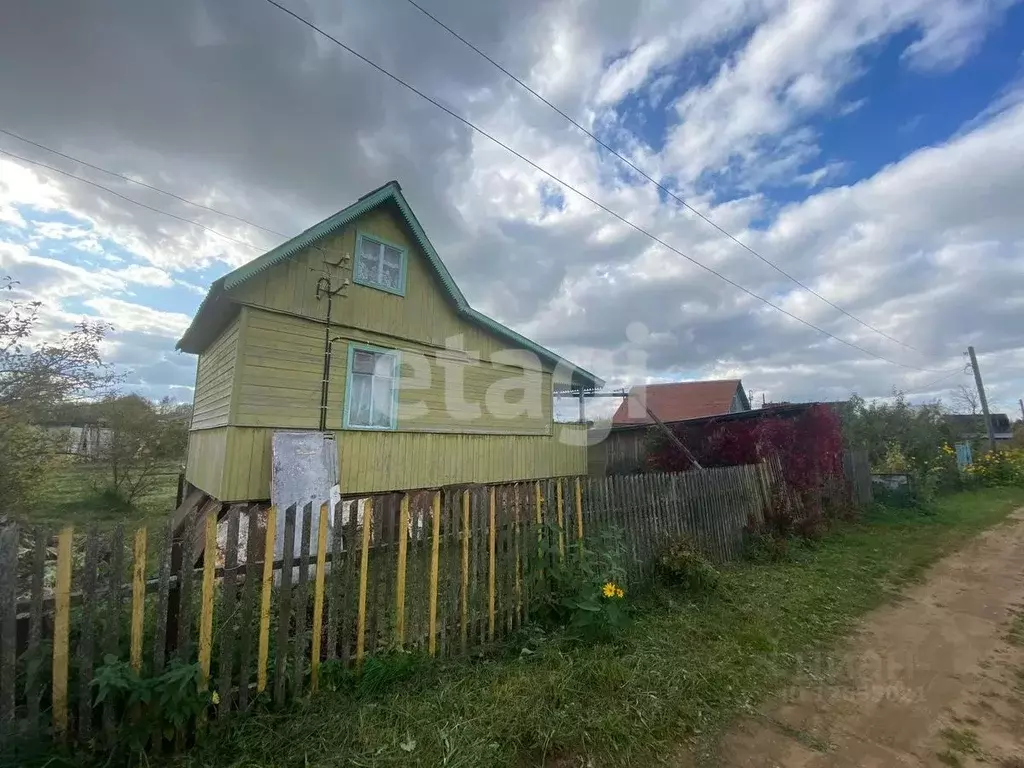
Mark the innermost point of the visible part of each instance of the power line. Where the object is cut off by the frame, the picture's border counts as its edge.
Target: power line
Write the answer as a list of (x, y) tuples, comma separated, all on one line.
[(661, 187), (940, 380), (141, 204), (143, 184), (128, 199), (573, 189)]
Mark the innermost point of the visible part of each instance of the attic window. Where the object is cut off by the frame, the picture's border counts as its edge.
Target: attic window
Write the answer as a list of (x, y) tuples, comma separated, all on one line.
[(380, 265)]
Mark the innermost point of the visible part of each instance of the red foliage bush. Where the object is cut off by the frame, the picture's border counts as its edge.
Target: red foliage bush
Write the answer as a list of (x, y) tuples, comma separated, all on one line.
[(808, 445)]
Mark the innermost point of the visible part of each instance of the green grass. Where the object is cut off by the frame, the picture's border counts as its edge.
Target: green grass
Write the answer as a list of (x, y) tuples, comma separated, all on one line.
[(1016, 634), (962, 740), (678, 675), (73, 493)]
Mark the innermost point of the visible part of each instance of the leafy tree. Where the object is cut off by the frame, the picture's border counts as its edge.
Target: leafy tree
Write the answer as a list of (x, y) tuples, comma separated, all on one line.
[(26, 455), (140, 438), (896, 428), (34, 378), (965, 400)]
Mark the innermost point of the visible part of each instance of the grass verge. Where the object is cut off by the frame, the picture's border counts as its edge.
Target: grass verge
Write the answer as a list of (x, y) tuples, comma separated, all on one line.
[(73, 493), (680, 672)]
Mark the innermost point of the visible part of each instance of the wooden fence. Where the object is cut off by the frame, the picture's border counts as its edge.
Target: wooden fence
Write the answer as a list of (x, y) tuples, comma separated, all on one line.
[(438, 571), (857, 469)]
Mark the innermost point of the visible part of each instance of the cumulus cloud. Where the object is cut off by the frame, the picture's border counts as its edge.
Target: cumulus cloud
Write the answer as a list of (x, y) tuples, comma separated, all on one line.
[(234, 105)]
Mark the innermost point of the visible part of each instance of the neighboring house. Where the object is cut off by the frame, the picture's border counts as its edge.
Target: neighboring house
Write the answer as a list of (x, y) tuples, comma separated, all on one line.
[(679, 401), (88, 441), (422, 390), (970, 428)]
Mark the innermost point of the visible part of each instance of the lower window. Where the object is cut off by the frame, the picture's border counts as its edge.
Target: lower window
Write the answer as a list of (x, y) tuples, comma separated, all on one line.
[(371, 397)]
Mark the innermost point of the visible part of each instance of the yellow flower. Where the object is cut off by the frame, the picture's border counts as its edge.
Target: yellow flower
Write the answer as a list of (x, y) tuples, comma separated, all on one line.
[(609, 589), (216, 698), (619, 594)]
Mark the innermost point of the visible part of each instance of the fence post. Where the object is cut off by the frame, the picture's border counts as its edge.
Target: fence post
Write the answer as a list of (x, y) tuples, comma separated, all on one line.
[(492, 534), (207, 600), (518, 561), (560, 511), (268, 588), (229, 598), (138, 596), (579, 511), (8, 623), (435, 557), (33, 683), (364, 567), (539, 510), (86, 639), (464, 595), (318, 596), (61, 633), (403, 553)]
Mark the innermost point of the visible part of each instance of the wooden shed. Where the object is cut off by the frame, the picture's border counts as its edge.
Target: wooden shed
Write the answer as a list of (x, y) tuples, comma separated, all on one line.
[(356, 327)]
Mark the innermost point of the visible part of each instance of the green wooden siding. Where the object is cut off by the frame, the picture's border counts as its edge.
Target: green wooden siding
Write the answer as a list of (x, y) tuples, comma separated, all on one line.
[(425, 314), (370, 462), (281, 369), (264, 373), (214, 380)]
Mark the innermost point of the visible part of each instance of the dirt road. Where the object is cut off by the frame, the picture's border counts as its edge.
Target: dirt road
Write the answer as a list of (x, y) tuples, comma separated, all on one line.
[(934, 679)]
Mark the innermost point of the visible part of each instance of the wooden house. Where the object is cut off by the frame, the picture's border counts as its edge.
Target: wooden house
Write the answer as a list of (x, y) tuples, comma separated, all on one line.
[(624, 448), (356, 327)]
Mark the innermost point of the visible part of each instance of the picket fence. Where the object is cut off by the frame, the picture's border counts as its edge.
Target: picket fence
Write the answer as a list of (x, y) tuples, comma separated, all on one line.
[(440, 571)]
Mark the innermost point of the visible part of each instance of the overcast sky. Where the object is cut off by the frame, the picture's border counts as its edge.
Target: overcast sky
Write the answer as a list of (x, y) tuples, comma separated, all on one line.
[(873, 150)]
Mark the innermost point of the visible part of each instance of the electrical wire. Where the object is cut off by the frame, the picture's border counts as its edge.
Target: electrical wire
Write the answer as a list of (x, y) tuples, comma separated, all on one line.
[(566, 185), (940, 380), (128, 199), (143, 184), (661, 187), (108, 190)]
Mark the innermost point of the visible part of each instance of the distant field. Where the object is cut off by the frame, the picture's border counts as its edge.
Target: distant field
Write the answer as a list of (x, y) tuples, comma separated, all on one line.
[(73, 493)]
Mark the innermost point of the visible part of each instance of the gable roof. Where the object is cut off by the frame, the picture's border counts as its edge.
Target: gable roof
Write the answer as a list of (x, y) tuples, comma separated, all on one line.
[(678, 401), (217, 308)]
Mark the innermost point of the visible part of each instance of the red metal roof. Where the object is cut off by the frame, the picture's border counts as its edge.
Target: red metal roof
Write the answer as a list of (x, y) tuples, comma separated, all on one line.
[(678, 401)]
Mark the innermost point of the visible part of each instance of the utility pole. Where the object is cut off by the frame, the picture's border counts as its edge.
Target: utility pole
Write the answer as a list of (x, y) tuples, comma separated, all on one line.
[(1021, 401), (983, 399)]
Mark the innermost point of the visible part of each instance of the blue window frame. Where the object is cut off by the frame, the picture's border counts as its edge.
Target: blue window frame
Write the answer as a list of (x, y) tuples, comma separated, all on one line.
[(380, 264), (371, 388)]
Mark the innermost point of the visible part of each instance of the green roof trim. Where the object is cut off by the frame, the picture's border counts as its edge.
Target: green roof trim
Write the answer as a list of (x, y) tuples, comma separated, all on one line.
[(217, 306)]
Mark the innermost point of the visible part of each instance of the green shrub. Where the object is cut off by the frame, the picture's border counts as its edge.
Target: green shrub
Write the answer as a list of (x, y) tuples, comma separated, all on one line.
[(681, 564), (584, 592), (165, 705), (26, 457), (764, 547)]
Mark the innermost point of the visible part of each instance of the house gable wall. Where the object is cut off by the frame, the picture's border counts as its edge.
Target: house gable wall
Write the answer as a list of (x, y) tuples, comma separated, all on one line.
[(215, 377)]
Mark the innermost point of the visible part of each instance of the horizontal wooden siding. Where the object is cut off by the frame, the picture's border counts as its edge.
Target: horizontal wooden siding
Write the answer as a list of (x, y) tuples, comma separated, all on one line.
[(214, 380), (281, 369), (380, 461), (425, 313)]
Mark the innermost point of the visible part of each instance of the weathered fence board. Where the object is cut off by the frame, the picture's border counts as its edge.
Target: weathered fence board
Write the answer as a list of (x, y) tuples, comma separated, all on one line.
[(437, 571)]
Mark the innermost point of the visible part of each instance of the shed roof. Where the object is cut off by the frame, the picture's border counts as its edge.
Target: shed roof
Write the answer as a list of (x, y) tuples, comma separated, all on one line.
[(217, 308), (681, 400), (967, 424)]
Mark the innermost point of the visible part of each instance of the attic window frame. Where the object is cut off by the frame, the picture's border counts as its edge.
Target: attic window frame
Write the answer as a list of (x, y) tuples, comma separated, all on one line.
[(382, 243)]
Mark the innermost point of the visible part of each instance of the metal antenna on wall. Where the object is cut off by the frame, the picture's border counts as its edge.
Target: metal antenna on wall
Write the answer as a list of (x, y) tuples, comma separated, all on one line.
[(325, 289)]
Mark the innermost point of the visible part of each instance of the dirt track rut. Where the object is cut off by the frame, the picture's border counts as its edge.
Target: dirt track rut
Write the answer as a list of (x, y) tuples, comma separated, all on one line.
[(934, 679)]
